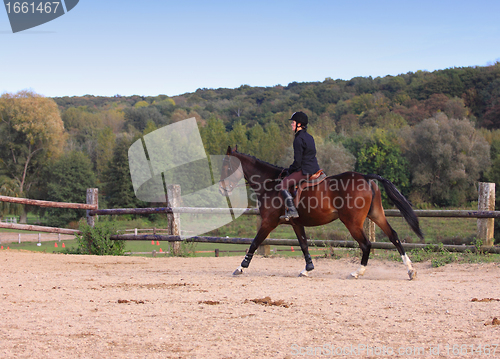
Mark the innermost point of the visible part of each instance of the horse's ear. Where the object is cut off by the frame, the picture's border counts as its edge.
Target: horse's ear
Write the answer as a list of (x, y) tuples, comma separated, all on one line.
[(228, 150)]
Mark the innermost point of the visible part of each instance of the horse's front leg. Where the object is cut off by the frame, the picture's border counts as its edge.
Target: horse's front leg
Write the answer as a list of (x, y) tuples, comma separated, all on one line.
[(301, 236), (262, 234)]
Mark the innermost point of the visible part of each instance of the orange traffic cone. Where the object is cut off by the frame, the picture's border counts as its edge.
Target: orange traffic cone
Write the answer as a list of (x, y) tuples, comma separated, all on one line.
[(2, 247), (153, 242), (63, 245), (157, 243), (161, 250), (55, 245), (293, 250)]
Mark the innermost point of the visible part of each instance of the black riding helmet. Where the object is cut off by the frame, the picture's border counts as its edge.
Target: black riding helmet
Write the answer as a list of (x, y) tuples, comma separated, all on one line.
[(300, 117)]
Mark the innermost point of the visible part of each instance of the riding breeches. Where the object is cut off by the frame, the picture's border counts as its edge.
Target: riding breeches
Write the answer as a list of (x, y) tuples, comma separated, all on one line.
[(292, 180)]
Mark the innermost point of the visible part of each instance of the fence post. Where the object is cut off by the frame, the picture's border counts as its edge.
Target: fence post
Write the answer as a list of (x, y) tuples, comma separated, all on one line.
[(174, 219), (369, 229), (486, 202), (92, 198)]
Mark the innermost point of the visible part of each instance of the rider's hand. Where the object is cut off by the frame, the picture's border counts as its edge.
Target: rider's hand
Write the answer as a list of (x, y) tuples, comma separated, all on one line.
[(284, 173)]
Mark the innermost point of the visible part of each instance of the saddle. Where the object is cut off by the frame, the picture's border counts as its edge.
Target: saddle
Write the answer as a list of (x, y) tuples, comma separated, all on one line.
[(313, 180)]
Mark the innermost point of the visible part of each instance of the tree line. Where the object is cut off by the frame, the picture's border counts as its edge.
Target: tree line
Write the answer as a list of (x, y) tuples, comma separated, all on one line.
[(434, 134)]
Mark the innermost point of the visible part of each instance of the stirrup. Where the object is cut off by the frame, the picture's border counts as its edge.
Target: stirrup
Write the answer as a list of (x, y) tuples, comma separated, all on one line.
[(290, 213)]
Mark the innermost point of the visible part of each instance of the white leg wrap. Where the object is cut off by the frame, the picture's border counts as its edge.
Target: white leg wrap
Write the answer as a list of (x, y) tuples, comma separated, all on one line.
[(361, 271), (407, 262)]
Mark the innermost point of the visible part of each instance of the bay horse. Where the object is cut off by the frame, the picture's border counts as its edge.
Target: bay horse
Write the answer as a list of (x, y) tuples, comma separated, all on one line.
[(350, 197)]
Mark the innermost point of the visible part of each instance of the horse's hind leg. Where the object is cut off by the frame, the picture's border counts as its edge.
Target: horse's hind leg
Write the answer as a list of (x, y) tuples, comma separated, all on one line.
[(301, 236), (364, 244), (377, 215)]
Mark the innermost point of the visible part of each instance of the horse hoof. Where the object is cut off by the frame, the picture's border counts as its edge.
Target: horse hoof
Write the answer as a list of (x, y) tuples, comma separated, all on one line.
[(238, 271), (303, 274), (412, 274), (354, 275)]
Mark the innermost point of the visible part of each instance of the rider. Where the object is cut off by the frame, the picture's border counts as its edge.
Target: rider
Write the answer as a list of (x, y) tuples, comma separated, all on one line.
[(304, 162)]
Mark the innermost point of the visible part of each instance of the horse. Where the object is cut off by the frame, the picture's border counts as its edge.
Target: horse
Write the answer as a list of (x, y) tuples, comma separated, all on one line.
[(351, 197)]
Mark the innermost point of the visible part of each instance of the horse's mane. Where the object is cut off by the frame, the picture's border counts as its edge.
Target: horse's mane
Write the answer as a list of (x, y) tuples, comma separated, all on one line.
[(260, 161)]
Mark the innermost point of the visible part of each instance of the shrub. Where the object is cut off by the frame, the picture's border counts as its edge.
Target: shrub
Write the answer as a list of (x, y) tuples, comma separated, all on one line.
[(97, 240)]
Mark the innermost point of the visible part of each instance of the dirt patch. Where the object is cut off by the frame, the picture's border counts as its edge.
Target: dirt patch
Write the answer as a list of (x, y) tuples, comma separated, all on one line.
[(485, 300), (495, 321), (209, 302), (268, 301), (68, 306), (126, 301)]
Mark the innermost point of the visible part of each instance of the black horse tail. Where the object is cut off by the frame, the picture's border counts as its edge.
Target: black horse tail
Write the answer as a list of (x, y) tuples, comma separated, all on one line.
[(401, 203)]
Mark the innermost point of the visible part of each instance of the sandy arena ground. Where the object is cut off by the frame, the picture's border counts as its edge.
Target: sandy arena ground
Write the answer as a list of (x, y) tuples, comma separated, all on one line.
[(68, 306)]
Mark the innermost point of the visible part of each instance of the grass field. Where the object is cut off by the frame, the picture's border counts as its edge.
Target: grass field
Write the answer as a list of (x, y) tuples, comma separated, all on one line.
[(436, 230), (437, 259)]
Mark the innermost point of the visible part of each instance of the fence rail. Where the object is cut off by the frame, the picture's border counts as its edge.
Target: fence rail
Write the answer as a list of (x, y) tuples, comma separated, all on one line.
[(450, 213), (34, 228), (39, 203), (310, 242), (485, 215), (255, 211)]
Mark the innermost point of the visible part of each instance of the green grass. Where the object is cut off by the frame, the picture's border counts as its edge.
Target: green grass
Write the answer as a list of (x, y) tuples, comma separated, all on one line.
[(437, 259), (45, 246), (436, 230)]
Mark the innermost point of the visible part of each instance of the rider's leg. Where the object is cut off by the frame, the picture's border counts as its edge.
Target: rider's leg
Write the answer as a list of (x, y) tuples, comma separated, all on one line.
[(291, 211), (290, 182)]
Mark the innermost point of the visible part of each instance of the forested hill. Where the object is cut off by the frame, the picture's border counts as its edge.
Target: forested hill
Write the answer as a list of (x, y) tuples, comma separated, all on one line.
[(433, 134), (473, 92)]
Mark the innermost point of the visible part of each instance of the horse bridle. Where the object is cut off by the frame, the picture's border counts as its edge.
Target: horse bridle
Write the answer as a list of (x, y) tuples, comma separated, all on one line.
[(227, 159)]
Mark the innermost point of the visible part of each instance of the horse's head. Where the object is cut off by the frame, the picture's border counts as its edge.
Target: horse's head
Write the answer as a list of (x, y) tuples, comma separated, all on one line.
[(231, 172)]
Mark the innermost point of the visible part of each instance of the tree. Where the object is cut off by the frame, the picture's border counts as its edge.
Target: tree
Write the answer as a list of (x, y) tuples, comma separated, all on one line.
[(141, 104), (9, 187), (238, 137), (79, 119), (447, 157), (334, 159), (139, 117), (378, 152), (274, 142), (106, 140), (256, 140), (118, 188), (31, 133), (214, 136), (67, 181)]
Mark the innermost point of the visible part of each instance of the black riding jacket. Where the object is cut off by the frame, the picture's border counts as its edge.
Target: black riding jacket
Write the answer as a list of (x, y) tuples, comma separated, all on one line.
[(304, 154)]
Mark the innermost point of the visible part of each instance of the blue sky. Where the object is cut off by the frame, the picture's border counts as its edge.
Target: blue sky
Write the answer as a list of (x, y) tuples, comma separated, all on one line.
[(172, 47)]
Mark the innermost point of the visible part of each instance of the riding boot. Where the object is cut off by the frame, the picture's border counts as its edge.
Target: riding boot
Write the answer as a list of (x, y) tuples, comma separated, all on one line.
[(291, 211)]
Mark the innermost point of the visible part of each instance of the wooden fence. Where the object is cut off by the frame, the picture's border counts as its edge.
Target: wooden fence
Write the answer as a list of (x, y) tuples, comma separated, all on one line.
[(34, 202), (485, 215)]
